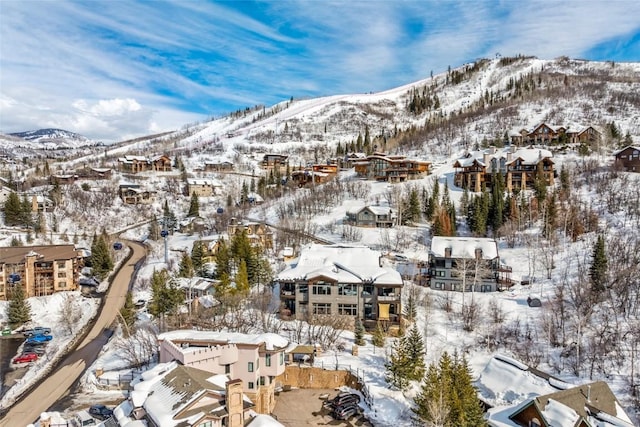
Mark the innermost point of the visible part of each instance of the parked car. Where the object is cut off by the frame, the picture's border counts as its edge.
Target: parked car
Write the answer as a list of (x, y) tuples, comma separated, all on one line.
[(39, 339), (101, 412), (345, 397), (345, 412), (25, 358), (38, 330), (30, 348)]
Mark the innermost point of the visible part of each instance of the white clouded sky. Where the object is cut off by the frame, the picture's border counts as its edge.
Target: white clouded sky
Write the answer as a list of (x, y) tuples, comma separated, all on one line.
[(118, 69)]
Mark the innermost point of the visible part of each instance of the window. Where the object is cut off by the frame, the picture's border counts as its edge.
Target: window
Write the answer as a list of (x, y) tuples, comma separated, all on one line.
[(250, 385), (368, 311), (62, 264), (347, 289), (205, 424), (368, 290), (321, 308), (347, 309), (282, 358), (62, 274), (267, 359), (439, 273), (227, 369), (250, 367), (62, 284), (439, 285), (321, 289), (261, 380), (303, 289)]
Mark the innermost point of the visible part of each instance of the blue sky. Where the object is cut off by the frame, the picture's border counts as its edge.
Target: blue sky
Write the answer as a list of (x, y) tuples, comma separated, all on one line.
[(117, 69)]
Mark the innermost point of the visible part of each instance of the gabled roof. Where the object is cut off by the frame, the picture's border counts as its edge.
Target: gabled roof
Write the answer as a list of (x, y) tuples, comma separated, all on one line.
[(269, 341), (634, 147)]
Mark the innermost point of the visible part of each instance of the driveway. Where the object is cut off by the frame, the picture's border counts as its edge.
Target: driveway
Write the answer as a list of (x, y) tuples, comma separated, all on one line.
[(303, 407)]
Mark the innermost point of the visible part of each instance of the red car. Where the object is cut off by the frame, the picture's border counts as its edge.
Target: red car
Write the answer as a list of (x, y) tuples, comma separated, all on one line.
[(26, 358)]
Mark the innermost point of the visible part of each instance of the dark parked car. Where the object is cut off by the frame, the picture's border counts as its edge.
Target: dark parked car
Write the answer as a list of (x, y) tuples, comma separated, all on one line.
[(25, 358), (345, 412), (37, 349), (345, 397), (101, 412), (39, 339)]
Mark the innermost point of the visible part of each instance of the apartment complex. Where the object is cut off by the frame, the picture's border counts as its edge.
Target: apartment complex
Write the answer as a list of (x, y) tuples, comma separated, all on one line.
[(519, 167), (469, 263), (544, 133), (391, 168), (341, 280), (136, 164), (39, 270), (256, 360)]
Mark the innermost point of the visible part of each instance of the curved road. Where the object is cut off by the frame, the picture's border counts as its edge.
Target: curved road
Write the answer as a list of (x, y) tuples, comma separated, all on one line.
[(28, 409)]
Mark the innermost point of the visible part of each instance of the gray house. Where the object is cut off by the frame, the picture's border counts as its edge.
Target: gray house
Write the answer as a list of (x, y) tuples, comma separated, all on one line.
[(471, 262), (372, 216), (341, 280)]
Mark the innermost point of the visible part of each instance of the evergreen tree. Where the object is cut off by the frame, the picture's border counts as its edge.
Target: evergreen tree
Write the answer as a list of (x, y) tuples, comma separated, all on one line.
[(496, 208), (412, 209), (223, 260), (18, 310), (447, 396), (128, 314), (359, 332), (410, 309), (165, 296), (398, 366), (194, 206), (377, 339), (12, 210), (154, 229), (242, 280), (16, 241), (186, 266), (26, 215), (244, 195), (414, 350), (169, 220), (101, 262), (598, 269), (197, 257)]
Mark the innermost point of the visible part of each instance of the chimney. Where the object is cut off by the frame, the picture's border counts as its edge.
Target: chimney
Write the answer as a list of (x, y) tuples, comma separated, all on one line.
[(234, 403), (485, 158), (478, 253), (447, 252), (589, 393)]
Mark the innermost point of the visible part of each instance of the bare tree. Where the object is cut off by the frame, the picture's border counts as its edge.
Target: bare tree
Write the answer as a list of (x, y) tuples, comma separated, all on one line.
[(139, 349), (70, 314)]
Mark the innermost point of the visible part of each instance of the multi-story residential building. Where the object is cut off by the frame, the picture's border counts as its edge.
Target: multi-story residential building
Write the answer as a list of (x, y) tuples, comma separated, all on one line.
[(372, 216), (629, 158), (135, 164), (391, 168), (202, 187), (341, 280), (134, 194), (275, 162), (218, 166), (39, 270), (544, 133), (256, 360), (519, 168), (173, 395), (257, 232), (471, 263)]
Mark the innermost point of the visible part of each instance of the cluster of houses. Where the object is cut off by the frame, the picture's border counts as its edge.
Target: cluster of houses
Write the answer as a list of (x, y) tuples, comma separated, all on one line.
[(547, 134)]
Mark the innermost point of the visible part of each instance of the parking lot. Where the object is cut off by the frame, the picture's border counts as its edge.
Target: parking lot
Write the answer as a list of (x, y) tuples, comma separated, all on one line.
[(303, 407)]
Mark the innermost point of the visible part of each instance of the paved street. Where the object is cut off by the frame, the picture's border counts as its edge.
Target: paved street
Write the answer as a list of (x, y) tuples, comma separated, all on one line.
[(40, 399)]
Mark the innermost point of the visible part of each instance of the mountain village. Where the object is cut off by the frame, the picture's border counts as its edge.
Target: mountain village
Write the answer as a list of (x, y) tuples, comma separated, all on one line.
[(460, 251)]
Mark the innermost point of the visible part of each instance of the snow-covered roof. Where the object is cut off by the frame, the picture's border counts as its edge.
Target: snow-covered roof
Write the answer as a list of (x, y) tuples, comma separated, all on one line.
[(199, 283), (345, 264), (263, 420), (199, 181), (528, 156), (464, 247), (502, 382), (271, 341)]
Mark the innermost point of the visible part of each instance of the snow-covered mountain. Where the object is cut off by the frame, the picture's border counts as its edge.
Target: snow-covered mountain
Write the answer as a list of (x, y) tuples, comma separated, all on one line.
[(441, 114), (52, 139)]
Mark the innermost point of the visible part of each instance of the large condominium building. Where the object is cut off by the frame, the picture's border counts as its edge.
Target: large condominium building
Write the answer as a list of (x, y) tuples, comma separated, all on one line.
[(39, 270), (340, 280)]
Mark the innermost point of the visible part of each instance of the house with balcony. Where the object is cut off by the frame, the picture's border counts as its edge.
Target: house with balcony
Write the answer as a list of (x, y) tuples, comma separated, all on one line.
[(174, 395), (271, 161), (519, 168), (254, 360), (547, 134), (628, 158), (471, 264), (135, 163), (135, 194), (218, 166), (391, 168), (340, 280), (39, 270), (372, 216), (259, 234), (202, 187)]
